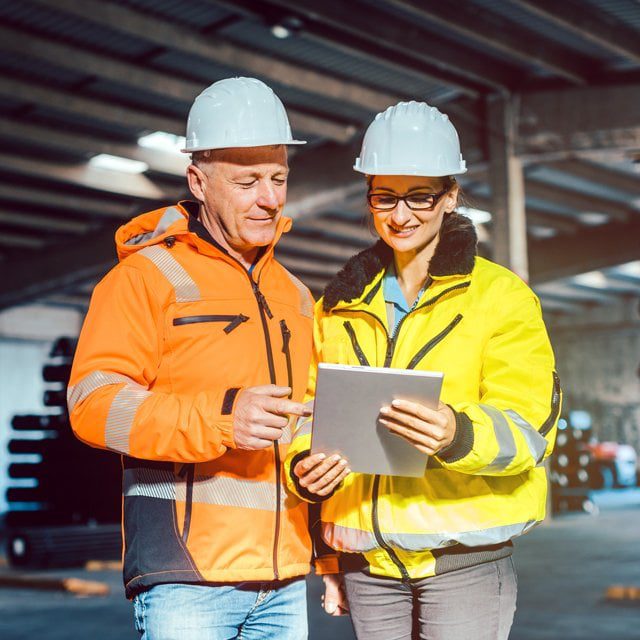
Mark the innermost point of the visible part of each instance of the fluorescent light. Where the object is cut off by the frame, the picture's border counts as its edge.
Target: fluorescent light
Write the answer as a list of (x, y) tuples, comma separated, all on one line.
[(116, 163), (538, 231), (477, 216), (593, 218), (630, 268), (595, 279), (163, 141), (280, 31)]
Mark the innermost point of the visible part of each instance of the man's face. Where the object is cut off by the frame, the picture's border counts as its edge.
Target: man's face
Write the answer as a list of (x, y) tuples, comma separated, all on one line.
[(243, 191)]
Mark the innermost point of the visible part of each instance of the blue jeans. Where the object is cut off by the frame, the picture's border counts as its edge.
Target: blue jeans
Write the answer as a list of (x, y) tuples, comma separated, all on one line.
[(243, 611)]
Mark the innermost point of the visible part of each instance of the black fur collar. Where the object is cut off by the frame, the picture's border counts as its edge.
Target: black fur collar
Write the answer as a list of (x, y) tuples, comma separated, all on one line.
[(455, 254)]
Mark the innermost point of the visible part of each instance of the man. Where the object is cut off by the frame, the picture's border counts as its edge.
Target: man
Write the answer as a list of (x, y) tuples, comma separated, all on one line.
[(191, 364)]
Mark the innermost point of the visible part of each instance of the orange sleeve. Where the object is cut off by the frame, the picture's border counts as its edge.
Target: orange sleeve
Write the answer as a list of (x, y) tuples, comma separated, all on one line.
[(112, 404)]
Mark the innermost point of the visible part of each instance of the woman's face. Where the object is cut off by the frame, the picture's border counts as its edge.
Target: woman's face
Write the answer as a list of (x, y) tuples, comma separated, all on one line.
[(404, 229)]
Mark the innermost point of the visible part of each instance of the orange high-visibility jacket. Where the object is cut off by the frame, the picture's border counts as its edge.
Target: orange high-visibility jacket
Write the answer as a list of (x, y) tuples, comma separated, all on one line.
[(173, 333)]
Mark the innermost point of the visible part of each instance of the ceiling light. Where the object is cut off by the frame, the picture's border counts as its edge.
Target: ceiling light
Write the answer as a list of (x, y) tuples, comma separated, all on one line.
[(630, 268), (163, 141), (287, 27), (593, 218), (116, 163), (477, 216), (595, 279)]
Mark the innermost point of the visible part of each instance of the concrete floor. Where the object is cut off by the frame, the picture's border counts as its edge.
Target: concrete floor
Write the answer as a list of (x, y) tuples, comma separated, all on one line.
[(564, 569)]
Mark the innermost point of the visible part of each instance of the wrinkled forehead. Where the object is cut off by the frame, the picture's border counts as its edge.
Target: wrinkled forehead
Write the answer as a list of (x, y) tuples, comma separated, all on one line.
[(403, 184)]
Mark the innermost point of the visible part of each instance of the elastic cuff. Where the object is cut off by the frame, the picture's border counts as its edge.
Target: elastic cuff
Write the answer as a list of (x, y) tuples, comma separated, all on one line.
[(326, 564), (226, 429), (226, 410), (301, 491), (462, 441)]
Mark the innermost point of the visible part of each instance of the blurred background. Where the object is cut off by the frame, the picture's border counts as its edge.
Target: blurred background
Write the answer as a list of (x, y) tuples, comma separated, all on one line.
[(546, 98)]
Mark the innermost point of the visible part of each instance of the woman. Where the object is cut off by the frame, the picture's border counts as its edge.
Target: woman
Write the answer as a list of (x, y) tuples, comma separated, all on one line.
[(432, 553)]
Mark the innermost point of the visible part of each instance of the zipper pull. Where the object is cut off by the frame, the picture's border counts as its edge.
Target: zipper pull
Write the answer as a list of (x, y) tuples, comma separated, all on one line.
[(236, 322), (262, 300), (286, 335)]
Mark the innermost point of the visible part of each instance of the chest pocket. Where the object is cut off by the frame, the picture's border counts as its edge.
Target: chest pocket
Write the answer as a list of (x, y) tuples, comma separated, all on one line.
[(228, 322)]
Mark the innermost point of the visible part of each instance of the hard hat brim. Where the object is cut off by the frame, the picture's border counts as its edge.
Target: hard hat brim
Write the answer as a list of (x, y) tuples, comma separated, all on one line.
[(381, 171), (241, 146)]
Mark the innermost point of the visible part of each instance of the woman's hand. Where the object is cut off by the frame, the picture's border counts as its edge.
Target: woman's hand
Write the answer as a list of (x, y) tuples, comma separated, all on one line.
[(428, 430), (334, 599), (321, 475)]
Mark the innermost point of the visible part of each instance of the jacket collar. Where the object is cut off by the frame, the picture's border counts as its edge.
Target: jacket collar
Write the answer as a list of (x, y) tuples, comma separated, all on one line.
[(360, 278)]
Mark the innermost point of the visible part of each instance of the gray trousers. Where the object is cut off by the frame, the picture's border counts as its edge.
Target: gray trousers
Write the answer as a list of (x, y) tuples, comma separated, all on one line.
[(476, 603)]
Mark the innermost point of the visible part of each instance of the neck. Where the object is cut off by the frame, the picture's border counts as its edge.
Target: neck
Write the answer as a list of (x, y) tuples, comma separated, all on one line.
[(412, 268), (245, 257)]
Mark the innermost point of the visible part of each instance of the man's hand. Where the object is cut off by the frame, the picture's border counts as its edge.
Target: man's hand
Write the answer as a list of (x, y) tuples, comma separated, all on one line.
[(428, 430), (334, 599), (321, 475), (260, 415)]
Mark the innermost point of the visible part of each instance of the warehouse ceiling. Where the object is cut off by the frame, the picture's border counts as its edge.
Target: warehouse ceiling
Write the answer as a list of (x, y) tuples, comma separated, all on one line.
[(81, 80)]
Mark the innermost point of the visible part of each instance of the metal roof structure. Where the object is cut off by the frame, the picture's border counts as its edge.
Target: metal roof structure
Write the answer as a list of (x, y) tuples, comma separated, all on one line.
[(79, 79)]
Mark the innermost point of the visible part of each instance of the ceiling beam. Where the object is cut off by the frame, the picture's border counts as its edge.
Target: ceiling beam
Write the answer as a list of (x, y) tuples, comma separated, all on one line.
[(587, 22), (166, 34), (587, 250), (576, 200), (599, 174), (50, 199), (395, 36), (579, 119), (506, 38), (156, 82), (84, 175), (40, 222)]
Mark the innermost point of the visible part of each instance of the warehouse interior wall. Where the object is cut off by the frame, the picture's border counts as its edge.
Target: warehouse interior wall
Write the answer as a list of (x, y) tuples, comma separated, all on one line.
[(598, 356)]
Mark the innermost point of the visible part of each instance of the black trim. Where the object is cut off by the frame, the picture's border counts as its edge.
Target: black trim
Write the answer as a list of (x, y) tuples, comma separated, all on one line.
[(228, 400), (286, 339), (378, 534), (371, 295), (190, 471), (362, 359), (547, 425), (433, 342), (463, 439), (234, 320)]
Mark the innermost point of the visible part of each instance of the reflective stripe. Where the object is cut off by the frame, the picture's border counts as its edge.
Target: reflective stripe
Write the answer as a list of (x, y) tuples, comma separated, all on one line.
[(149, 483), (121, 415), (358, 541), (494, 535), (78, 392), (348, 539), (506, 444), (535, 441), (306, 301), (304, 430), (186, 289)]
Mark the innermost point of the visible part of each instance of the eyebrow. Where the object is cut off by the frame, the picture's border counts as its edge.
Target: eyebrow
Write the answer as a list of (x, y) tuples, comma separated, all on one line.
[(392, 191)]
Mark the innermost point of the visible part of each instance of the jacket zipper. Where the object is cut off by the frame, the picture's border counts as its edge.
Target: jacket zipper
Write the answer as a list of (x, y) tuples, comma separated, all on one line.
[(233, 321), (286, 338), (555, 406), (433, 342), (188, 470), (391, 344), (362, 359)]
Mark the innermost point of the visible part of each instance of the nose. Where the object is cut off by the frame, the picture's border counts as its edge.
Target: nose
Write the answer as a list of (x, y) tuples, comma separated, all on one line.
[(267, 196), (401, 214)]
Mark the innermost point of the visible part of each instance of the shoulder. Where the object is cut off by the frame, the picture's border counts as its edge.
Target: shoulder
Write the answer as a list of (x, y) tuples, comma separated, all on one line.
[(490, 276), (297, 288)]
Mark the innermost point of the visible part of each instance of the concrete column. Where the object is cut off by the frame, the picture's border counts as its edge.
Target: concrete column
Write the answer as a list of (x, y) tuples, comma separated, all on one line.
[(509, 230)]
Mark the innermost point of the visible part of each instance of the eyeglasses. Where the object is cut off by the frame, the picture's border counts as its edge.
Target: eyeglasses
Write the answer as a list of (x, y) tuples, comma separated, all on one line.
[(415, 201)]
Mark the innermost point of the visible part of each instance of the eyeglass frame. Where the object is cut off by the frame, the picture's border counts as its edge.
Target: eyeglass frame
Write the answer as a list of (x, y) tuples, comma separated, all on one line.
[(403, 198)]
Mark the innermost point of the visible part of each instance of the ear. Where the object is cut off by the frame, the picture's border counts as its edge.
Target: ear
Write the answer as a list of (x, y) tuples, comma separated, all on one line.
[(451, 199), (197, 181)]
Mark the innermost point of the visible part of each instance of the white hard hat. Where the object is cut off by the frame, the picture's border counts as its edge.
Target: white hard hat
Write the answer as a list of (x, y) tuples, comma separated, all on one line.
[(411, 139), (237, 112)]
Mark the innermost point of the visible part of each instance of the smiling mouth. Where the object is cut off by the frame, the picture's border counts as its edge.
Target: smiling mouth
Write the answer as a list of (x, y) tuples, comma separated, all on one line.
[(402, 231)]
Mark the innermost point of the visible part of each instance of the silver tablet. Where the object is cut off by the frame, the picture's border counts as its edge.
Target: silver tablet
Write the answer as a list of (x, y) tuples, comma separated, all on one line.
[(346, 411)]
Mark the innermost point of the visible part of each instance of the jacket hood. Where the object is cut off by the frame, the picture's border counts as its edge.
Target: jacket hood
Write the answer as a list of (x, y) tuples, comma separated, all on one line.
[(454, 255), (155, 226)]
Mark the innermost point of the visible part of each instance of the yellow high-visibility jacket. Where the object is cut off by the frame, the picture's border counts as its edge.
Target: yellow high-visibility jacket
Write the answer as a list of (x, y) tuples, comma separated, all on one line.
[(482, 326)]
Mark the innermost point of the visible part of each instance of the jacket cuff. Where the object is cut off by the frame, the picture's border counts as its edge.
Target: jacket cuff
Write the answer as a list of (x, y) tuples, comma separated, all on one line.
[(327, 564), (462, 440), (300, 490), (226, 411)]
